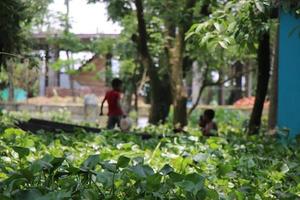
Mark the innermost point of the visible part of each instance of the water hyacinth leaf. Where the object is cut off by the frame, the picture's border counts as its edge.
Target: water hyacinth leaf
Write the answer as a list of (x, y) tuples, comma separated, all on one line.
[(167, 169), (28, 174), (73, 170), (123, 162), (185, 185), (105, 178), (153, 182), (21, 151), (138, 160), (39, 165), (91, 162), (236, 195), (175, 177), (197, 179), (142, 171), (56, 163), (60, 195), (223, 169), (30, 194), (200, 157), (90, 194), (212, 194), (112, 167)]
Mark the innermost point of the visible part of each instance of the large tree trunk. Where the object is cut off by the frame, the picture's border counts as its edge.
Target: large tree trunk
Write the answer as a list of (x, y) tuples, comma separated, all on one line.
[(263, 57), (179, 93), (147, 62), (175, 52), (272, 119)]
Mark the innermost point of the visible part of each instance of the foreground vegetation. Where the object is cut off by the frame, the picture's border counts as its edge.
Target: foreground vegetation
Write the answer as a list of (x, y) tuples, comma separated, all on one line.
[(115, 165)]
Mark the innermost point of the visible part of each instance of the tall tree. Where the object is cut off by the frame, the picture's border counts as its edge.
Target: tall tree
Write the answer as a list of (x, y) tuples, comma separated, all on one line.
[(248, 27), (143, 38), (147, 62)]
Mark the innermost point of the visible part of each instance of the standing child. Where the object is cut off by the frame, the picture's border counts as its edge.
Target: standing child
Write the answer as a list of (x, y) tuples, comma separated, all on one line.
[(113, 98), (208, 126)]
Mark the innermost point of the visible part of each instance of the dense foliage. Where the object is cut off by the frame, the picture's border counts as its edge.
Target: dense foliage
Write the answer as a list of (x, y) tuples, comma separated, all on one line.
[(115, 165)]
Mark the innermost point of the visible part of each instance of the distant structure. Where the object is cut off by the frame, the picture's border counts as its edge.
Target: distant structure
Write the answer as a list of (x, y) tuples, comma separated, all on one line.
[(59, 83), (85, 82)]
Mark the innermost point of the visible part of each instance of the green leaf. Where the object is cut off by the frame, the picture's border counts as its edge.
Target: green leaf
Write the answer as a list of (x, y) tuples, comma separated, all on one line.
[(223, 44), (112, 167), (56, 163), (218, 27), (223, 169), (22, 151), (123, 162), (175, 177), (260, 6), (39, 165), (195, 178), (105, 178), (153, 182), (142, 171), (187, 186), (91, 162), (59, 195), (284, 168), (167, 169), (189, 35), (212, 194), (28, 194)]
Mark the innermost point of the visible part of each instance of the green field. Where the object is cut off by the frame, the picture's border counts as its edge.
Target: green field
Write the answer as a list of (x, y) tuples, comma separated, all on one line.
[(116, 165)]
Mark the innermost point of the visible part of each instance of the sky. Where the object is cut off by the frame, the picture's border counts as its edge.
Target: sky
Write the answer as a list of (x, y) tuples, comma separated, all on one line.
[(87, 18)]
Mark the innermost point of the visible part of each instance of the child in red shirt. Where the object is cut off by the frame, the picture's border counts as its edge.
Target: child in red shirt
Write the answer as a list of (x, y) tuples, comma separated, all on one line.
[(113, 98)]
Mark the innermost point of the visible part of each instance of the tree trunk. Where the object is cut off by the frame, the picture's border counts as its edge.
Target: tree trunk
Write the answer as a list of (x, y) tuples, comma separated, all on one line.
[(221, 98), (127, 101), (72, 89), (175, 52), (272, 118), (11, 88), (179, 93), (57, 74), (249, 82), (147, 62), (236, 92), (47, 56), (263, 57), (71, 80), (136, 102)]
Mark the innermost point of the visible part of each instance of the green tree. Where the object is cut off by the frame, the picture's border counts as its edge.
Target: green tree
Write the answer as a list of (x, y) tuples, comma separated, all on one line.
[(250, 28), (16, 19)]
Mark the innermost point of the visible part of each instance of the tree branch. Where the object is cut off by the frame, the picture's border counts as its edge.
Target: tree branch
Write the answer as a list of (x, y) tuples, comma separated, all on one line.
[(206, 84)]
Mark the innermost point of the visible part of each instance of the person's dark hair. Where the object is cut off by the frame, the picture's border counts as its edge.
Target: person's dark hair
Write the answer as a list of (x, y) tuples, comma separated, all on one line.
[(116, 83), (209, 113)]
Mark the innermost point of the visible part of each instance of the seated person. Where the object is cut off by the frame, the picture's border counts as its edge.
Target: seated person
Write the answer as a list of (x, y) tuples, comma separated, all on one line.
[(206, 123)]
